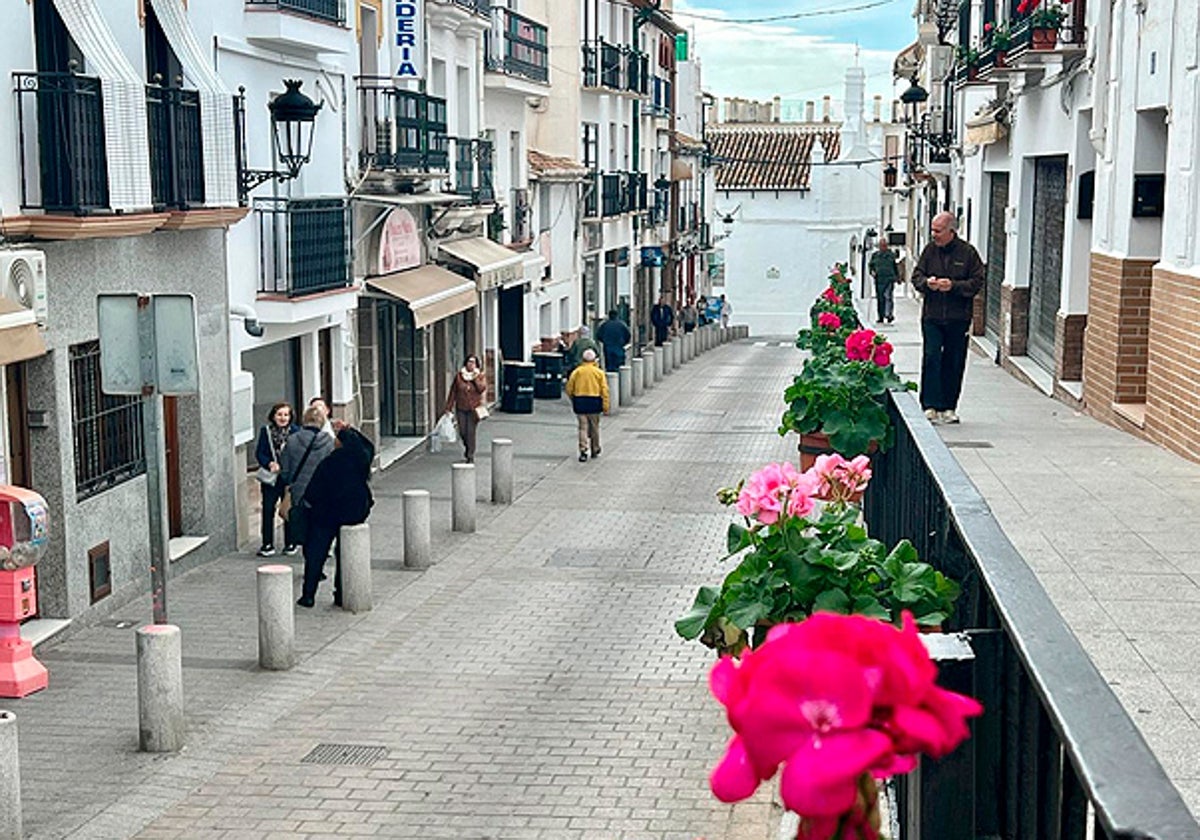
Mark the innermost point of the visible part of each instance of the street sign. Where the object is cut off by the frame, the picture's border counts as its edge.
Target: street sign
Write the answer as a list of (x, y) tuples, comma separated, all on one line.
[(148, 344)]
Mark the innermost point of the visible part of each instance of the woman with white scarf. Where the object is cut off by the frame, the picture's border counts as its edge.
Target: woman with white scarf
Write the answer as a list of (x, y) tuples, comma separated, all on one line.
[(467, 393)]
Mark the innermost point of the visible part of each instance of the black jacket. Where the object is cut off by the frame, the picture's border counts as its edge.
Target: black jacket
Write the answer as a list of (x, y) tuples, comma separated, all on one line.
[(339, 493), (961, 263)]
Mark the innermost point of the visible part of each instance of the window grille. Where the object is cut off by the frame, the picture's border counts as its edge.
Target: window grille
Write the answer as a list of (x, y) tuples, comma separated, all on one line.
[(106, 429)]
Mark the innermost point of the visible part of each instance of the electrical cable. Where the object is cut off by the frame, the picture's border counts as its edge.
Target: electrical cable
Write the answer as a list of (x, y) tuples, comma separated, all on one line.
[(776, 18)]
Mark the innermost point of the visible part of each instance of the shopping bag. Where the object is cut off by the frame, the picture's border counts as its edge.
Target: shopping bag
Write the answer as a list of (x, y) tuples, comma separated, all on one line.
[(445, 431)]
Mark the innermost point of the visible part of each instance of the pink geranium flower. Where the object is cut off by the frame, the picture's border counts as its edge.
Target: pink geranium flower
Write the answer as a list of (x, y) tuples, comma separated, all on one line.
[(775, 490), (882, 354), (840, 480), (830, 294), (860, 345), (829, 320)]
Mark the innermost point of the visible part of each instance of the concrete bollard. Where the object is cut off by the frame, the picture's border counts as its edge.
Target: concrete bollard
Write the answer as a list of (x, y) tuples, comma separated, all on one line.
[(276, 618), (356, 567), (668, 349), (614, 392), (625, 378), (659, 358), (462, 495), (676, 352), (502, 471), (689, 341), (160, 688), (10, 779), (418, 545), (637, 375)]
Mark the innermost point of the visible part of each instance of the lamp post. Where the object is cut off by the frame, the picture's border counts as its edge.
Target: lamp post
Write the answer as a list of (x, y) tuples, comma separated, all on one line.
[(293, 121)]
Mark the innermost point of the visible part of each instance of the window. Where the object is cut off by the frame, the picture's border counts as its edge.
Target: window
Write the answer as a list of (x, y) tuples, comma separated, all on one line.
[(591, 145), (107, 430)]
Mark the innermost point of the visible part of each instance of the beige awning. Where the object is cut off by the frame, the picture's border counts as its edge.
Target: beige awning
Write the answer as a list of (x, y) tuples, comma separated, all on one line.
[(432, 293), (19, 336), (985, 129), (681, 170), (494, 264)]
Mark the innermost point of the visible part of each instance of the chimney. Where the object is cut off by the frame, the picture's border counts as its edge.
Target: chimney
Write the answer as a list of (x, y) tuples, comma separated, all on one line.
[(809, 111), (776, 109), (878, 107), (826, 105)]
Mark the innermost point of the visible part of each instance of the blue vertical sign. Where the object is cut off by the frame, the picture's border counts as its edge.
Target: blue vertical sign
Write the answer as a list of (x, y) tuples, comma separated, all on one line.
[(409, 51)]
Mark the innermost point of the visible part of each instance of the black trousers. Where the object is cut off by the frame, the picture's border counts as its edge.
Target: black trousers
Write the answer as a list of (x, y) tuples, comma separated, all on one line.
[(271, 494), (943, 362), (884, 298), (317, 542)]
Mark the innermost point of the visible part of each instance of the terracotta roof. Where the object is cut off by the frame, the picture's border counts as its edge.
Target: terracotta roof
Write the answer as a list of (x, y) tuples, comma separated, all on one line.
[(553, 166), (776, 156)]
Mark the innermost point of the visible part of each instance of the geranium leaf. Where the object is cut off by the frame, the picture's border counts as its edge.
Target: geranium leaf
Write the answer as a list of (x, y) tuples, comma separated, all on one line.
[(832, 600), (692, 624)]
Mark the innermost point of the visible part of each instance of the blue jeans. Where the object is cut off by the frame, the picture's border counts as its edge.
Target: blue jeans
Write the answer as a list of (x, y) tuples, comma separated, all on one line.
[(943, 362)]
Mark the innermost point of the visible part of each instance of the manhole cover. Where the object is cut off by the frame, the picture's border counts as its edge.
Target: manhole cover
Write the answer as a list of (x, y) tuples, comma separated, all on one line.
[(357, 755), (968, 444)]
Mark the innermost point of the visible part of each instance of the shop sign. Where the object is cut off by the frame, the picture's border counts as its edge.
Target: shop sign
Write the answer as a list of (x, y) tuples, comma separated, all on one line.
[(399, 242), (410, 39)]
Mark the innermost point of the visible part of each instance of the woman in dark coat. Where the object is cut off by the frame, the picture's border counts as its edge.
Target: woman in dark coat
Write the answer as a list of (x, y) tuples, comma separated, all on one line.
[(268, 451), (338, 494)]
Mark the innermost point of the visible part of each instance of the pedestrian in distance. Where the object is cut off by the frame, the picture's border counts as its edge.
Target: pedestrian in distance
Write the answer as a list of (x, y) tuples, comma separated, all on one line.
[(306, 448), (339, 494), (662, 317), (467, 393), (702, 311), (268, 451), (949, 273), (588, 389), (613, 335), (883, 268), (726, 311), (582, 343), (688, 316)]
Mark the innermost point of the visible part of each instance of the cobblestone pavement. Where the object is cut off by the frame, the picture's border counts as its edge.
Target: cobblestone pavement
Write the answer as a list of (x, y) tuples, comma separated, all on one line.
[(529, 685)]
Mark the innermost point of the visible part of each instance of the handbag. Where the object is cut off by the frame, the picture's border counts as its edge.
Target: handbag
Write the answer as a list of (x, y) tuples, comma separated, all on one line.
[(481, 412), (264, 475)]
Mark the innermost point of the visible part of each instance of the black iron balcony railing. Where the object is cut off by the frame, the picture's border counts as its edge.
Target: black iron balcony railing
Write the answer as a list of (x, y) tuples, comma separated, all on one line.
[(612, 191), (479, 7), (611, 66), (332, 11), (617, 68), (518, 46), (660, 97), (472, 174), (1054, 755), (660, 210), (522, 231), (637, 72), (592, 187), (304, 245), (636, 185), (60, 140), (400, 130), (176, 149)]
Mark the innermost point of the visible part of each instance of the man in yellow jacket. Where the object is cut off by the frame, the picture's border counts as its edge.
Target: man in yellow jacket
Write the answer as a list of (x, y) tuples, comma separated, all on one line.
[(588, 390)]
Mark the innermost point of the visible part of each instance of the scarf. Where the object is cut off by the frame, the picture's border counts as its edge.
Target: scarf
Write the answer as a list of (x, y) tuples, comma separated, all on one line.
[(468, 375), (279, 436)]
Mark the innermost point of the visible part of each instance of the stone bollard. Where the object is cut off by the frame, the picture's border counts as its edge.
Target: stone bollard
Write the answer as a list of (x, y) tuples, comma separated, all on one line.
[(276, 618), (659, 357), (690, 348), (418, 546), (462, 495), (10, 779), (668, 350), (625, 378), (355, 543), (160, 688), (502, 471), (637, 372), (614, 392), (676, 352)]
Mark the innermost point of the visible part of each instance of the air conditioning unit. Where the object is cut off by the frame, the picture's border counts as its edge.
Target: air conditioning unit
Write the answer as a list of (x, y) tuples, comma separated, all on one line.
[(23, 277)]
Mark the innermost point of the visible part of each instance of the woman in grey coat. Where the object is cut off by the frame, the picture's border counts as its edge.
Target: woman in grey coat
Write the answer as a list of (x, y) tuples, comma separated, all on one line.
[(305, 449)]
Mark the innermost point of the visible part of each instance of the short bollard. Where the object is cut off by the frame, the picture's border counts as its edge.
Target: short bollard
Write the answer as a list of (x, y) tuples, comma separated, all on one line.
[(355, 541), (668, 351), (637, 377), (160, 688), (614, 392), (659, 358), (689, 341), (418, 547), (10, 779), (462, 496), (502, 471), (676, 352), (625, 377), (276, 618)]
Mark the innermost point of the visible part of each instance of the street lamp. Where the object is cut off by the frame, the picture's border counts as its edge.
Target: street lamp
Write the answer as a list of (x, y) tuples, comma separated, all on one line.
[(293, 121)]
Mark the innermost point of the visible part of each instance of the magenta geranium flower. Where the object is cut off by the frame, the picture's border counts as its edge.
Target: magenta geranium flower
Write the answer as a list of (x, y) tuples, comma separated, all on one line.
[(829, 320), (860, 345), (830, 294), (882, 354)]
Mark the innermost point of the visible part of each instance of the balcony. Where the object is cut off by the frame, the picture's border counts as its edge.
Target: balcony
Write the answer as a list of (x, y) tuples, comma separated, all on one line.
[(304, 245), (400, 131), (518, 47), (592, 187), (615, 68), (472, 174), (622, 192), (176, 149), (477, 7), (306, 27), (522, 231), (330, 11), (661, 101)]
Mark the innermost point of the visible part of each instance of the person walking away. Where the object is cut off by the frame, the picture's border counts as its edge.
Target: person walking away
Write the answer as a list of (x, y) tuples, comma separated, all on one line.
[(689, 316), (306, 448), (588, 389), (268, 451), (949, 273), (467, 393), (726, 311), (339, 494), (582, 343), (702, 311), (883, 268), (613, 335), (661, 318)]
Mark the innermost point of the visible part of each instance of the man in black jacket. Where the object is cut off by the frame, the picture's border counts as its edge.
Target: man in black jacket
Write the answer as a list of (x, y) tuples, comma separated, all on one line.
[(948, 274), (662, 317)]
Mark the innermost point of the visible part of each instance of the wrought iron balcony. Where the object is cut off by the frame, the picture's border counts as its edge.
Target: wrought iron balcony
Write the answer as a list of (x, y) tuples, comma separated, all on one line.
[(637, 72), (176, 149), (473, 164), (332, 11), (518, 46), (61, 145), (400, 130), (304, 245), (661, 101), (616, 68), (612, 192), (660, 210), (479, 7), (592, 187), (521, 216)]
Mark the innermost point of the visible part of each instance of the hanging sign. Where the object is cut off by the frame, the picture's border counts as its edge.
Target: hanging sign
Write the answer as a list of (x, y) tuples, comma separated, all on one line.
[(399, 242), (409, 52)]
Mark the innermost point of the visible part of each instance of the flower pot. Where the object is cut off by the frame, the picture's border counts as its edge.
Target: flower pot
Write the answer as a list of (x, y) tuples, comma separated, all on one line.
[(813, 444), (1000, 58), (972, 74), (1043, 39)]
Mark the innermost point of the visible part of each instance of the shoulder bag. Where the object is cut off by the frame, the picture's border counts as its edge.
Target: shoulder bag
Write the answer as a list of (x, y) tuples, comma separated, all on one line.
[(264, 474), (285, 503)]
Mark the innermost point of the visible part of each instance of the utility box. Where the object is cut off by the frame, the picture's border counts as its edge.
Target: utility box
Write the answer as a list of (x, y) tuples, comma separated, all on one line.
[(24, 532)]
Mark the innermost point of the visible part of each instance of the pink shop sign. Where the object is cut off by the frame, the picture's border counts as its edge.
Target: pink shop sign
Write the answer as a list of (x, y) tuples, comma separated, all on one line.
[(399, 242)]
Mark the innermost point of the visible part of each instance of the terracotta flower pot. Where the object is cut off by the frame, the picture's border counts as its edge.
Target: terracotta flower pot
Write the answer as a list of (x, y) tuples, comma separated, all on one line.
[(1043, 39), (813, 444), (972, 74), (1000, 58)]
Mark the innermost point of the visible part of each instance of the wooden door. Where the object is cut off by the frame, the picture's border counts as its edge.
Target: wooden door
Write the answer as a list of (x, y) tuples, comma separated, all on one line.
[(171, 445), (17, 390)]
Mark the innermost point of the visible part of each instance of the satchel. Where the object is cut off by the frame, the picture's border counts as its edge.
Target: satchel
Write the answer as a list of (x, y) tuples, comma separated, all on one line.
[(481, 412), (264, 475)]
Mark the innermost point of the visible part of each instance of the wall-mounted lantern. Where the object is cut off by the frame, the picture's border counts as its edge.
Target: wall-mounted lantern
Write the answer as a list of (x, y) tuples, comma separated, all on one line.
[(293, 121)]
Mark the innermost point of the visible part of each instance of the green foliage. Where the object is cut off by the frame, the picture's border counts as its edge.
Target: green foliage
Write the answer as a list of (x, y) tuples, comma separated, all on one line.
[(1047, 17), (999, 37), (967, 56)]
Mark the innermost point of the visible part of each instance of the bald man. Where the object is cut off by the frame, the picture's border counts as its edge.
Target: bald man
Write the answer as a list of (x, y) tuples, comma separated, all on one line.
[(948, 274)]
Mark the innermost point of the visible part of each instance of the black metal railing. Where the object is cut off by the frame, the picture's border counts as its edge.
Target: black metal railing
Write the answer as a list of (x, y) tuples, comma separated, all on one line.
[(637, 72), (106, 430), (479, 7), (660, 210), (333, 11), (660, 97), (304, 245), (176, 148), (522, 231), (61, 145), (1054, 755), (637, 188), (518, 46), (400, 130), (592, 188), (473, 161), (615, 67), (611, 66), (612, 192)]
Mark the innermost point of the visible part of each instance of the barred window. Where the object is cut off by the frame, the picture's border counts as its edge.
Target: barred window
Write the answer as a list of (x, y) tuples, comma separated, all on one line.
[(107, 429)]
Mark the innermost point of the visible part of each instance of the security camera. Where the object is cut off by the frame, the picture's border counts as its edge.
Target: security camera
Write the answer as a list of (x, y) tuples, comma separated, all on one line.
[(253, 327)]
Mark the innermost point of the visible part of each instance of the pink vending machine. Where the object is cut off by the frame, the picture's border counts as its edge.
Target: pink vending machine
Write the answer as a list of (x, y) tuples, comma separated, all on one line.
[(24, 532)]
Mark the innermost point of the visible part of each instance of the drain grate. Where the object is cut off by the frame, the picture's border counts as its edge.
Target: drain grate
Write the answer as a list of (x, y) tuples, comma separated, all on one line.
[(355, 755), (968, 444)]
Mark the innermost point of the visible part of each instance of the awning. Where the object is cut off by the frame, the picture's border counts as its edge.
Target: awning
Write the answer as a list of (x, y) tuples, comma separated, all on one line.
[(681, 170), (985, 129), (432, 293), (494, 264), (19, 336)]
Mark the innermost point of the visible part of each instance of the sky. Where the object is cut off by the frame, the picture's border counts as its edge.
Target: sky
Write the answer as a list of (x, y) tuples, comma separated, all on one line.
[(796, 59)]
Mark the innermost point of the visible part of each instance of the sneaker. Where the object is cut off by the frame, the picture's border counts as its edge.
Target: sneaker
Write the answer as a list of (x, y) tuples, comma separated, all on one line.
[(305, 602), (582, 457), (289, 550), (949, 417), (933, 416), (595, 454), (267, 551), (890, 319)]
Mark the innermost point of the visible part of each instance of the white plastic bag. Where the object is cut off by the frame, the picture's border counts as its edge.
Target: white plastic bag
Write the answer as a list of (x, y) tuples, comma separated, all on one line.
[(444, 431)]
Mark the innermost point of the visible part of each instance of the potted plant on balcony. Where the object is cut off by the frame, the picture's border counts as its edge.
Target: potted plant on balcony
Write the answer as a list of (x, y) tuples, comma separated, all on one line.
[(968, 58), (999, 38), (1045, 19)]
